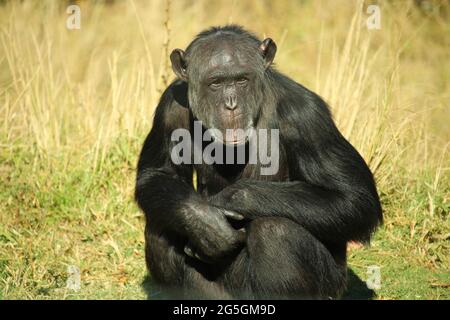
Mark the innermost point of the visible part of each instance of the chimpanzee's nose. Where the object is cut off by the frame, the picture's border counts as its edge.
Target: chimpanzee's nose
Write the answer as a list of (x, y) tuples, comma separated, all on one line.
[(231, 102)]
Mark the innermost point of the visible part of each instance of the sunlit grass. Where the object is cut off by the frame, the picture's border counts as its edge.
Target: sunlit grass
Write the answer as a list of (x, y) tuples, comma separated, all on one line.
[(75, 106)]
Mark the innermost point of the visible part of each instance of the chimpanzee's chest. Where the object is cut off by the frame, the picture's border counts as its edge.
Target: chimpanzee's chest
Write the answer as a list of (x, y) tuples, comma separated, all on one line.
[(212, 178)]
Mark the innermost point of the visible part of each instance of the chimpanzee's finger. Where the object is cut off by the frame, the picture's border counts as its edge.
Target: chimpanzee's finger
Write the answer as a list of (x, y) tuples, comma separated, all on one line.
[(189, 251), (233, 215)]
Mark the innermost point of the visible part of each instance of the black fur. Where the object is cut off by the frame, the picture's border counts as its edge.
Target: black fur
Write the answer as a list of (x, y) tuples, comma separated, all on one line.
[(297, 223)]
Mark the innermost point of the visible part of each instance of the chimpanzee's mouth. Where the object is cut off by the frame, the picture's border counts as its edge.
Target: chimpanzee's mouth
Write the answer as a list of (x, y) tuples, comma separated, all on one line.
[(233, 137), (235, 142)]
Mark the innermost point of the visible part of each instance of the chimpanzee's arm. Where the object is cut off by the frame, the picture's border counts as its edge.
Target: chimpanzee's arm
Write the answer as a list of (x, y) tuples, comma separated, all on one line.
[(331, 191), (165, 193)]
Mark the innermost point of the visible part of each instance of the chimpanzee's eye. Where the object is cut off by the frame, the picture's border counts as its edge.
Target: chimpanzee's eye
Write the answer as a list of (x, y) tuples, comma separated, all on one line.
[(242, 81), (215, 84)]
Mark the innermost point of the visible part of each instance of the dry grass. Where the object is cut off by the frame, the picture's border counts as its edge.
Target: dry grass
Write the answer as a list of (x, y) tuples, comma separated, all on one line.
[(75, 106)]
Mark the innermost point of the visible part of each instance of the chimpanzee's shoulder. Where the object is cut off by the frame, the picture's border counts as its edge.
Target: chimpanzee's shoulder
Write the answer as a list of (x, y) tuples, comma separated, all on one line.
[(172, 110), (293, 97)]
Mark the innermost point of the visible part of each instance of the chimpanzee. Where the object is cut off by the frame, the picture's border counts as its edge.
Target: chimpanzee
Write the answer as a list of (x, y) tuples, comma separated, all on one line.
[(239, 233)]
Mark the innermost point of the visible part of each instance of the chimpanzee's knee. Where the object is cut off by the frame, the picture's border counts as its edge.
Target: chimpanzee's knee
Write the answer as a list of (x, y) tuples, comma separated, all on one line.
[(285, 260)]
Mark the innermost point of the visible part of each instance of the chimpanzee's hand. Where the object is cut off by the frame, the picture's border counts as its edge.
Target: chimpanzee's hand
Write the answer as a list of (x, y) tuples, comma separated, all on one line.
[(211, 236), (231, 198)]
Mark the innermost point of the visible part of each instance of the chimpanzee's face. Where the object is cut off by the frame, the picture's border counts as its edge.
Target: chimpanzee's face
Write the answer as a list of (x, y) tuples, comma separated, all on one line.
[(227, 96), (225, 76)]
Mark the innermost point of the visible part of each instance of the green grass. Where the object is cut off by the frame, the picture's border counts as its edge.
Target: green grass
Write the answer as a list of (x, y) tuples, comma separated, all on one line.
[(70, 216)]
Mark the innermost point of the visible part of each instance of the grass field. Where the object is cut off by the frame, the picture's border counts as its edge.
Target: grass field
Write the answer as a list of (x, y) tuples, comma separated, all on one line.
[(76, 105)]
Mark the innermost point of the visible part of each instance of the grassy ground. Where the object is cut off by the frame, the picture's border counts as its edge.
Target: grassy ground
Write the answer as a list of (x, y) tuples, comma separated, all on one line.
[(75, 106)]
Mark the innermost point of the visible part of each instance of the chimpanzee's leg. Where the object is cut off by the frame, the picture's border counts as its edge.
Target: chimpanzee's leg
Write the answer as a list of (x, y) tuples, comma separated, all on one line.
[(283, 260)]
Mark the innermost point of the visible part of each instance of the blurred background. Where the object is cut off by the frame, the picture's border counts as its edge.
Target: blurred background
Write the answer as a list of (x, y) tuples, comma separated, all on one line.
[(76, 105)]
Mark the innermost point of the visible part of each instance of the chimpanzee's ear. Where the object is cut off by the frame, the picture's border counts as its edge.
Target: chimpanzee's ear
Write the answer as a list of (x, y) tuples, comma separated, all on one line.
[(179, 64), (268, 49)]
